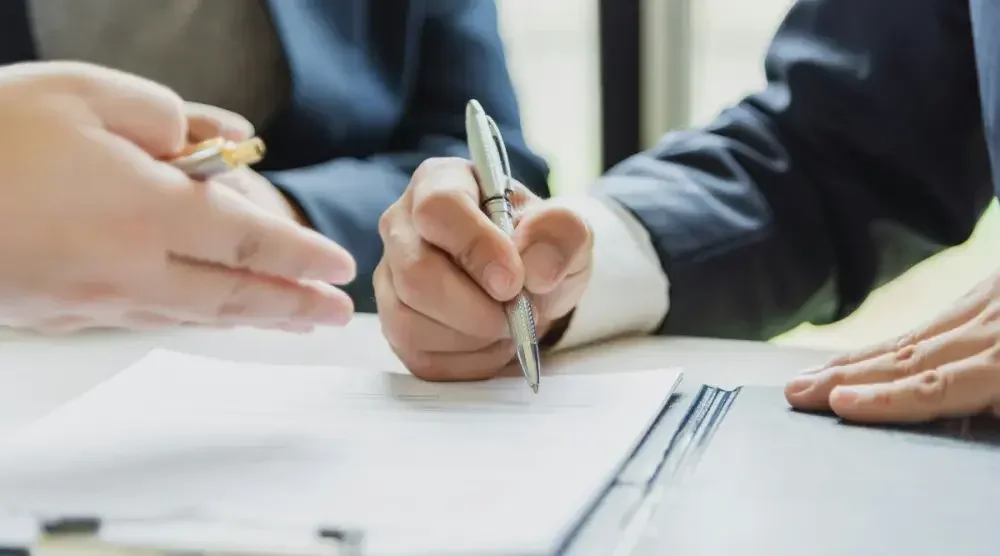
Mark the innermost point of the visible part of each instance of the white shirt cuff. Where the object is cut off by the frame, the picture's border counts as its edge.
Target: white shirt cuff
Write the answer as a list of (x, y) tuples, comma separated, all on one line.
[(628, 290)]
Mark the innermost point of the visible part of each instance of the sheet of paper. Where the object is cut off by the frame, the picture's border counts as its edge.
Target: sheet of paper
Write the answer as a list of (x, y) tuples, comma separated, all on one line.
[(422, 468)]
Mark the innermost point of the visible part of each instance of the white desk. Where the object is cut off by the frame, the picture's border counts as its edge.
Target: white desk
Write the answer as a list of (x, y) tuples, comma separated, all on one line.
[(39, 373)]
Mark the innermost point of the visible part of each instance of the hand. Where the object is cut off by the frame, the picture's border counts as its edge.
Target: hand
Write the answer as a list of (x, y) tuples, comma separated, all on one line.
[(447, 269), (207, 122), (948, 368), (97, 232)]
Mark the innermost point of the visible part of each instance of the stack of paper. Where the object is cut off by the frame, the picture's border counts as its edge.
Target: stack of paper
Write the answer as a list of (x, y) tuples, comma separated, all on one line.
[(421, 468)]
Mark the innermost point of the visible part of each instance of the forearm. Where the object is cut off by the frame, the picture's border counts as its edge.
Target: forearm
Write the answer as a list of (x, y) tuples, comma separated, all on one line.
[(855, 163)]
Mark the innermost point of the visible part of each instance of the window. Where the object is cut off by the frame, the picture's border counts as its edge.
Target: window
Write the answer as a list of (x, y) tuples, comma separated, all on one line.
[(554, 55), (552, 49)]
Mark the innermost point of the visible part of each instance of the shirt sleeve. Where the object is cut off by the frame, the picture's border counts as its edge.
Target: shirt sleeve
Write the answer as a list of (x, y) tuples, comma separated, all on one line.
[(628, 289)]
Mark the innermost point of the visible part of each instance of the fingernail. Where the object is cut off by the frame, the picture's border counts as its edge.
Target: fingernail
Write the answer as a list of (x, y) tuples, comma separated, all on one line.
[(333, 312), (498, 279), (813, 370), (543, 261), (235, 133), (335, 317), (799, 385), (339, 272), (846, 396)]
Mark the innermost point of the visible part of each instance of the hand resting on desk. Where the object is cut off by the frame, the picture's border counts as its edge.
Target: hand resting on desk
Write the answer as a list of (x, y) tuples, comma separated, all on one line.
[(947, 368), (447, 269), (98, 231)]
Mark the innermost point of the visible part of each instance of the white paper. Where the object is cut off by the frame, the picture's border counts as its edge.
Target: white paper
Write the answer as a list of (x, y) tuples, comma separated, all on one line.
[(422, 468)]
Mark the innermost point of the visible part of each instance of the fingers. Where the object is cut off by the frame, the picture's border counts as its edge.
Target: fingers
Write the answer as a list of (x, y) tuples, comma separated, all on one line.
[(211, 222), (463, 366), (193, 292), (560, 301), (554, 242), (812, 391), (445, 267), (410, 332), (446, 213), (207, 122), (966, 309), (965, 387), (430, 350), (137, 109), (428, 282)]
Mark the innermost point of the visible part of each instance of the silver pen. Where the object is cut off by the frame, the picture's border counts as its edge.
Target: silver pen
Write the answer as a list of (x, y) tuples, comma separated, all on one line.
[(489, 156)]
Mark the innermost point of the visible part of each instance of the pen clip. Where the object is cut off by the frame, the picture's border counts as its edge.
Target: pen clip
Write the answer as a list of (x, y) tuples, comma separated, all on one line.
[(497, 138)]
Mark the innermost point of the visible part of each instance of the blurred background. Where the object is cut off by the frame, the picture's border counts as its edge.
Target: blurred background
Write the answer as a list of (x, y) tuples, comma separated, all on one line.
[(585, 105)]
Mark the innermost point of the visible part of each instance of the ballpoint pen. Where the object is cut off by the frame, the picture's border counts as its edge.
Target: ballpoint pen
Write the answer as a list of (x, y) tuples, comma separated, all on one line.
[(217, 156), (489, 156)]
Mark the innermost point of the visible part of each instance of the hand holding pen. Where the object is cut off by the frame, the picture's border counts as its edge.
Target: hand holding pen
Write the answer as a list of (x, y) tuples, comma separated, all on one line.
[(104, 232), (449, 273)]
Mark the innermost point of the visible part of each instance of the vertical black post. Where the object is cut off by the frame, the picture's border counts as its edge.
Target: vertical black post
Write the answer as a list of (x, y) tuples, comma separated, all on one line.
[(621, 62)]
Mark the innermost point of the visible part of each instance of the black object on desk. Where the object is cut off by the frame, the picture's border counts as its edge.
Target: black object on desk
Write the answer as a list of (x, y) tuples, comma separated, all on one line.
[(737, 472)]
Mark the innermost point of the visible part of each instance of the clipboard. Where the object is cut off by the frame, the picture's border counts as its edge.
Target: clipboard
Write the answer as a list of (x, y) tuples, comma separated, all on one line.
[(66, 536), (135, 521), (613, 525), (713, 476)]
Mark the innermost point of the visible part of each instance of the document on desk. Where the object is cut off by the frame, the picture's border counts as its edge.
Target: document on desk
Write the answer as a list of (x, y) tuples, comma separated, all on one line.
[(421, 468)]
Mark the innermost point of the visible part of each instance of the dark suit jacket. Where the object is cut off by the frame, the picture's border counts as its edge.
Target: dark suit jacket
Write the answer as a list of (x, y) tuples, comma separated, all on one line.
[(377, 87), (864, 155)]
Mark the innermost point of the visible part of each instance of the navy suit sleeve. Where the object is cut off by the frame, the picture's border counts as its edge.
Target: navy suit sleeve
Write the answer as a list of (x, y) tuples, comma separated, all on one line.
[(863, 156), (462, 57)]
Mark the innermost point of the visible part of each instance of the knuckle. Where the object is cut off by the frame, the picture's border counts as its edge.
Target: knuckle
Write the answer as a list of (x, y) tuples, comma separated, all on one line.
[(419, 364), (422, 370), (834, 377), (397, 327), (423, 366), (415, 277), (431, 166), (475, 253), (305, 304), (932, 386), (905, 340), (906, 360), (555, 219), (232, 301), (248, 249), (386, 222), (563, 219), (440, 205)]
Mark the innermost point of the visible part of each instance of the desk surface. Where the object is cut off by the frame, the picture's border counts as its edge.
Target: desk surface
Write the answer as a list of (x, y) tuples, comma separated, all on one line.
[(39, 373)]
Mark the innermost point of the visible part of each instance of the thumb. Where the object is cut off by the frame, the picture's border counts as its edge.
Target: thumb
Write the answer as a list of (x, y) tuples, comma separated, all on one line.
[(207, 122), (134, 108), (554, 242)]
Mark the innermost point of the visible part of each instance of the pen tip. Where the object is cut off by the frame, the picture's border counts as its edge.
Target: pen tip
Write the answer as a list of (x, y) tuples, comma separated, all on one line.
[(528, 356)]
